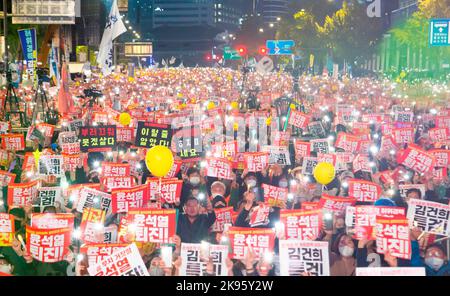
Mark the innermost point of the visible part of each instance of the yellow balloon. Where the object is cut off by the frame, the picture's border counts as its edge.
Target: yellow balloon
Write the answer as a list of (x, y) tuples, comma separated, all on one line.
[(292, 106), (125, 118), (269, 121), (234, 105), (235, 126), (324, 173), (210, 106), (159, 161)]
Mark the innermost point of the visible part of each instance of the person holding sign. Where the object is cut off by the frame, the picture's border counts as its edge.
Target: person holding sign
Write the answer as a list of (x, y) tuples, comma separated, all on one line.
[(193, 227)]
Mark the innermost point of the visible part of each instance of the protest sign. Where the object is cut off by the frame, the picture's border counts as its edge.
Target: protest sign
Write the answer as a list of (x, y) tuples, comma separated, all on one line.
[(429, 216), (256, 161), (364, 190), (219, 168), (6, 230), (390, 271), (52, 221), (97, 138), (223, 216), (133, 198), (110, 169), (298, 257), (366, 219), (335, 203), (275, 196), (259, 215), (193, 265), (21, 194), (301, 224), (96, 253), (393, 236), (149, 135), (92, 198), (260, 240), (277, 155), (50, 165), (152, 225), (48, 245), (13, 142)]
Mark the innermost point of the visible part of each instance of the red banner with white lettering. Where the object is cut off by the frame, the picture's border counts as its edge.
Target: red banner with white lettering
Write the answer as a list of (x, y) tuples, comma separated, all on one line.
[(256, 161), (260, 240), (48, 245), (298, 119), (301, 224), (336, 203), (152, 225), (393, 237), (133, 198), (219, 168), (417, 159), (275, 196), (364, 190)]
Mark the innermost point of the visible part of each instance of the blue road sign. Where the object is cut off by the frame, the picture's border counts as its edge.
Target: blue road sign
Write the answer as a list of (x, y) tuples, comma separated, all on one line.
[(440, 32), (280, 47)]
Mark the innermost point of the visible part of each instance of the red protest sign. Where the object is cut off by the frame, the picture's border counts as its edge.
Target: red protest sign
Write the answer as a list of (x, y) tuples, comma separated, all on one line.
[(310, 205), (442, 157), (361, 163), (219, 168), (302, 149), (13, 142), (171, 191), (176, 167), (52, 220), (152, 225), (125, 134), (403, 135), (96, 253), (224, 150), (6, 178), (393, 237), (223, 216), (365, 219), (259, 215), (439, 174), (111, 169), (91, 226), (21, 194), (417, 159), (364, 190), (124, 199), (301, 224), (347, 142), (110, 183), (335, 203), (438, 134), (260, 240), (275, 196), (298, 119), (327, 157), (6, 230), (256, 161), (48, 245)]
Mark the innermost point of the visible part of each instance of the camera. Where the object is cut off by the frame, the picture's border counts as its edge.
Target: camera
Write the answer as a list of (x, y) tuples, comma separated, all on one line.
[(93, 93)]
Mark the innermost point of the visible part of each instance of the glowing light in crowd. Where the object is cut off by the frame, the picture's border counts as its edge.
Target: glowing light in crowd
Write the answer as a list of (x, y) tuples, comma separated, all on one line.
[(80, 257), (201, 196), (76, 233)]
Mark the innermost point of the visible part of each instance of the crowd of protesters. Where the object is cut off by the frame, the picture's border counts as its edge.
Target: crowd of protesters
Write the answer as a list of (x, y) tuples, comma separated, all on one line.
[(366, 109)]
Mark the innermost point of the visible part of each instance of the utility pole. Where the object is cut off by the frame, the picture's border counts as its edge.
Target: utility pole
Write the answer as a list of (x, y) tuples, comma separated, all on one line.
[(5, 32)]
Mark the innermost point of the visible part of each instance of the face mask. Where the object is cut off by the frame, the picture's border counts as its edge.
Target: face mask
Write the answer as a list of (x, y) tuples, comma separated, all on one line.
[(156, 271), (346, 251), (5, 268), (283, 184), (194, 180), (251, 183), (434, 262), (217, 195)]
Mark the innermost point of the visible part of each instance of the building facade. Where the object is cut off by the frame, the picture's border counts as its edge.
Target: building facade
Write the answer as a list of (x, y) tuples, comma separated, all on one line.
[(271, 10)]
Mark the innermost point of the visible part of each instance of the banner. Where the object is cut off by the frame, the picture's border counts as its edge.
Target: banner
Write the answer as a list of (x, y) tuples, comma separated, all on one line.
[(6, 178), (393, 237), (188, 143), (125, 134), (152, 134), (224, 150), (366, 219), (22, 194), (92, 224), (442, 157), (52, 221), (320, 146), (223, 216), (297, 257), (28, 40), (304, 225), (256, 161), (152, 225), (72, 162), (403, 135), (260, 240), (176, 167), (335, 203), (364, 190), (133, 198), (438, 134), (96, 253), (6, 230), (275, 196), (429, 216), (219, 168), (362, 163), (125, 261), (327, 157), (97, 138), (48, 245), (308, 165)]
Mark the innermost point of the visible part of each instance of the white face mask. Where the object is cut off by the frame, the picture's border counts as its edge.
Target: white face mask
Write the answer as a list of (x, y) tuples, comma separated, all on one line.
[(283, 184), (251, 183), (346, 251), (434, 262), (194, 180), (6, 268)]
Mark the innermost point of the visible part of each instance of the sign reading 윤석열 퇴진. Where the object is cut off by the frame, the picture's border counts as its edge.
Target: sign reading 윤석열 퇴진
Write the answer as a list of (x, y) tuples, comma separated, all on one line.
[(440, 32)]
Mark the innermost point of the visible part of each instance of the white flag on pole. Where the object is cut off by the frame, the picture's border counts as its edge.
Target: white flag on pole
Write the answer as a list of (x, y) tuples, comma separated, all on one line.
[(113, 29)]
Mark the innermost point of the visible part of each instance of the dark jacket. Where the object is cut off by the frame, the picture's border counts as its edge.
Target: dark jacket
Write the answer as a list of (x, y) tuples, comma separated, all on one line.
[(195, 232), (417, 261)]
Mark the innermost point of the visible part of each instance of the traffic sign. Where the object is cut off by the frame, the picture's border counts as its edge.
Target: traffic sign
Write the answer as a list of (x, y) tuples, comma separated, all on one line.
[(280, 47), (440, 32), (230, 54)]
